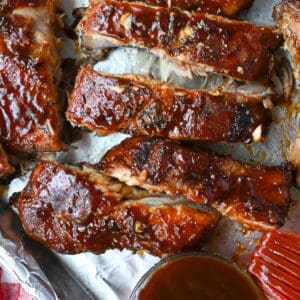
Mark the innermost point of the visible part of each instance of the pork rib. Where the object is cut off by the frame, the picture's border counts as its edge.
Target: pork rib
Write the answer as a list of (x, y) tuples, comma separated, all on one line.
[(228, 8), (287, 14), (257, 197), (8, 6), (196, 43), (136, 105), (74, 210), (29, 63)]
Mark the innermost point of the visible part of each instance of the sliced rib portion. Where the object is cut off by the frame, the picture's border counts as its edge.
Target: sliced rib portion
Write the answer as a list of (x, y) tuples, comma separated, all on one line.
[(257, 197), (228, 8), (74, 210), (29, 63), (287, 14), (5, 167), (7, 6), (196, 43), (136, 105)]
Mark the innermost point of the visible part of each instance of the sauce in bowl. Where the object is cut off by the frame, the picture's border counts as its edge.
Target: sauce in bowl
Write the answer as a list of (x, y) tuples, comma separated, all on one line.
[(196, 276)]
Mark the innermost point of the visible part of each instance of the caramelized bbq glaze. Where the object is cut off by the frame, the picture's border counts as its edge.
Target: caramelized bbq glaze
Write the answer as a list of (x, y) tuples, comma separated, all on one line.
[(228, 8), (29, 118), (137, 105), (194, 42), (257, 197), (8, 6), (71, 211)]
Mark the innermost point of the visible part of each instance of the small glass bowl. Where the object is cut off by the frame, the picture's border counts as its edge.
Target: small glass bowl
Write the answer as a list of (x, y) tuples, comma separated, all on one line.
[(164, 262)]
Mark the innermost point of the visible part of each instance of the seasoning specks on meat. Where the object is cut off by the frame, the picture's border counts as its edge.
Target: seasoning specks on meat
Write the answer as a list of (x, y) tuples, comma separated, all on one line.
[(74, 210), (257, 197), (195, 43), (136, 105)]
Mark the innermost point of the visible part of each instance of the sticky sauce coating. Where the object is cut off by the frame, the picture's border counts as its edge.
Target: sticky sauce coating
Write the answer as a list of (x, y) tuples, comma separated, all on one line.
[(210, 43), (256, 196), (73, 211), (139, 106), (29, 119), (198, 278), (8, 6), (227, 8)]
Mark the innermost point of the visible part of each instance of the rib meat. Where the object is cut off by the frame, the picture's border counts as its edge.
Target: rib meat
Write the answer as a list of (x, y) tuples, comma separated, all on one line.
[(73, 210), (196, 43), (136, 105), (287, 14), (5, 167), (8, 6), (257, 197), (29, 64), (228, 8)]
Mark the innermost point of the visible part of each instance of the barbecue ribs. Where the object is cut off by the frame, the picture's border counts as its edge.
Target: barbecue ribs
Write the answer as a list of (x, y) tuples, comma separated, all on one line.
[(136, 105), (196, 43), (73, 210), (228, 8), (257, 197), (29, 64)]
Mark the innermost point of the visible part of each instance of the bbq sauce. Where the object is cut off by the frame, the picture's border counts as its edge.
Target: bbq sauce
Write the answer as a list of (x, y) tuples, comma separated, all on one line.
[(196, 278)]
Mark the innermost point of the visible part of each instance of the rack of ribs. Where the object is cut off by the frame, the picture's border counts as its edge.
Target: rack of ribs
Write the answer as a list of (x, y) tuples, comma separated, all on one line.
[(73, 210), (136, 105), (29, 69), (195, 43), (287, 14), (228, 8), (257, 197)]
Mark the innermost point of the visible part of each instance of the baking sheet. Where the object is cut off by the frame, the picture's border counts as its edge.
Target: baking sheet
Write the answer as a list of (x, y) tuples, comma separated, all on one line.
[(113, 274)]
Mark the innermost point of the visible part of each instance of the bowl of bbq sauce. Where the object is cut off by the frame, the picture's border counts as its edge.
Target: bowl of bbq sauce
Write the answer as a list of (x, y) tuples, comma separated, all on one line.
[(196, 276)]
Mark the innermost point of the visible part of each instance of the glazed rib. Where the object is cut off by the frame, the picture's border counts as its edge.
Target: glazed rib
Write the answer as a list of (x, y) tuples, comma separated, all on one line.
[(74, 210), (195, 43), (287, 14), (257, 197), (8, 6), (228, 8), (5, 167), (29, 67), (136, 105)]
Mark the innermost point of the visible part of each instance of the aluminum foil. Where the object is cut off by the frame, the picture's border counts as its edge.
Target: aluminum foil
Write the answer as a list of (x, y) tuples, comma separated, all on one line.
[(113, 275), (14, 258)]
